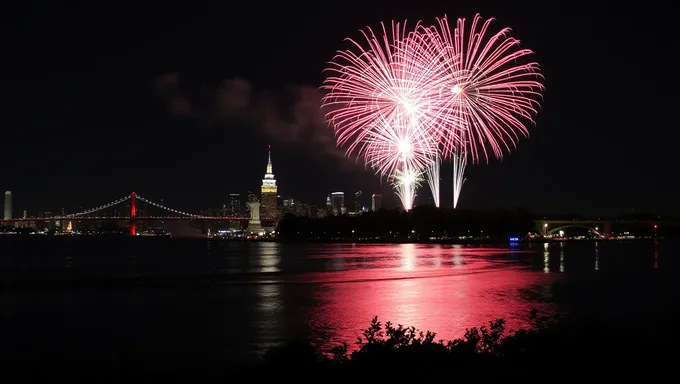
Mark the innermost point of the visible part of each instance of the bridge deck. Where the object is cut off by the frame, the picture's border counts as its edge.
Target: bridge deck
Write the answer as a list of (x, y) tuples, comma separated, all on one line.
[(138, 218), (586, 222)]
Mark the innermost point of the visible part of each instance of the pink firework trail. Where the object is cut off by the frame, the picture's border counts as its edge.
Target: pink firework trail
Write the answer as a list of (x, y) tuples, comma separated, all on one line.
[(381, 99)]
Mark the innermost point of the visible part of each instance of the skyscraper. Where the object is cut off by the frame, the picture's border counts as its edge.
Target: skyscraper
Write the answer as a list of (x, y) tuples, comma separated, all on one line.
[(357, 202), (234, 207), (8, 205), (376, 202), (268, 196), (338, 203), (288, 206)]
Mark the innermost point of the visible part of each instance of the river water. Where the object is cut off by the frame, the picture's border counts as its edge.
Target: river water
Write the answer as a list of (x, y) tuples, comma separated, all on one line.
[(100, 303)]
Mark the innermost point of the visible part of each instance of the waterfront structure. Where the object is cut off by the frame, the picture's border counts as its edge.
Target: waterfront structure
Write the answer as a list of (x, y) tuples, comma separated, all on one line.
[(268, 192), (254, 224)]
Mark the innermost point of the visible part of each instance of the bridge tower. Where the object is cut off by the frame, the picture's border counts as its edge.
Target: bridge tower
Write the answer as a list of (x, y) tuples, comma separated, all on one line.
[(133, 214)]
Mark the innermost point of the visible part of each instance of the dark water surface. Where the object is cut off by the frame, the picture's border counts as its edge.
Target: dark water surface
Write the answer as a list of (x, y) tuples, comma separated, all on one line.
[(109, 303)]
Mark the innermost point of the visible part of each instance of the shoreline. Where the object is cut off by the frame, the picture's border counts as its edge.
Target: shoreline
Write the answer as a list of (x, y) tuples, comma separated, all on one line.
[(489, 241)]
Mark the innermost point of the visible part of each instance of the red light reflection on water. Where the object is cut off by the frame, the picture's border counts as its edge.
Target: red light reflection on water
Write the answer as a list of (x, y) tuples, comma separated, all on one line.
[(445, 289)]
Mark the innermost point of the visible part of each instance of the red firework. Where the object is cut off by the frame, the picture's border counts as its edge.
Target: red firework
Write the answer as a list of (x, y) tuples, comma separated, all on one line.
[(385, 93), (484, 87)]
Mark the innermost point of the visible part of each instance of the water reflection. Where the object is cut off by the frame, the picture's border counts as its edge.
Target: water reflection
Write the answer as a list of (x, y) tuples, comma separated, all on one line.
[(259, 294), (269, 258), (269, 298), (408, 257), (656, 255), (457, 257), (477, 286)]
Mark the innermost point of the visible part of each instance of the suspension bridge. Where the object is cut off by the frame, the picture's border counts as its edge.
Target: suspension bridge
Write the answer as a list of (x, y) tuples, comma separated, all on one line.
[(98, 213)]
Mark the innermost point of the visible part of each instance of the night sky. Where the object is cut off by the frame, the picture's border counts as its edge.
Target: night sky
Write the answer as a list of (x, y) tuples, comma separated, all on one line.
[(103, 100)]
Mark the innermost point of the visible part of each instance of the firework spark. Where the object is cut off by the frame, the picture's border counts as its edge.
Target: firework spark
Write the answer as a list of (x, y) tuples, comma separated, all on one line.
[(397, 144), (459, 163), (432, 172), (406, 182)]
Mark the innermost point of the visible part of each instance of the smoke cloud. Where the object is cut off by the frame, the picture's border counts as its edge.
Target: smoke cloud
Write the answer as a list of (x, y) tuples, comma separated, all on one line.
[(290, 116)]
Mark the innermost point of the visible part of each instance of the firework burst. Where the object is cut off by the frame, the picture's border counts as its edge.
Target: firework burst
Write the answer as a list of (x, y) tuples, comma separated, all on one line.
[(381, 99), (397, 144), (406, 100), (486, 89)]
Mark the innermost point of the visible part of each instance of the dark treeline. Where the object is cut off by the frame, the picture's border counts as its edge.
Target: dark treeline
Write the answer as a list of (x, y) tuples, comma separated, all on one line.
[(420, 224)]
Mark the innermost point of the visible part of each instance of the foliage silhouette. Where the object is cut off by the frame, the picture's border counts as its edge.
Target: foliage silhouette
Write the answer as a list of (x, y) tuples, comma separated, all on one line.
[(555, 344)]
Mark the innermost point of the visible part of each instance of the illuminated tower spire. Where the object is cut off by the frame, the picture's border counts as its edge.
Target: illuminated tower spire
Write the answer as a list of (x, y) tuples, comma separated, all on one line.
[(269, 164)]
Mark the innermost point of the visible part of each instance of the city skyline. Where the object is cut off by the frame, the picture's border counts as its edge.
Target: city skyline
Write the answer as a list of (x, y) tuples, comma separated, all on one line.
[(178, 111), (234, 205)]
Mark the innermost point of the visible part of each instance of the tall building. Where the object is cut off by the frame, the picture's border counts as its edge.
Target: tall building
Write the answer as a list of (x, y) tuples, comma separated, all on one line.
[(8, 205), (338, 203), (268, 196), (302, 209), (376, 202), (288, 206), (234, 206), (357, 202)]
